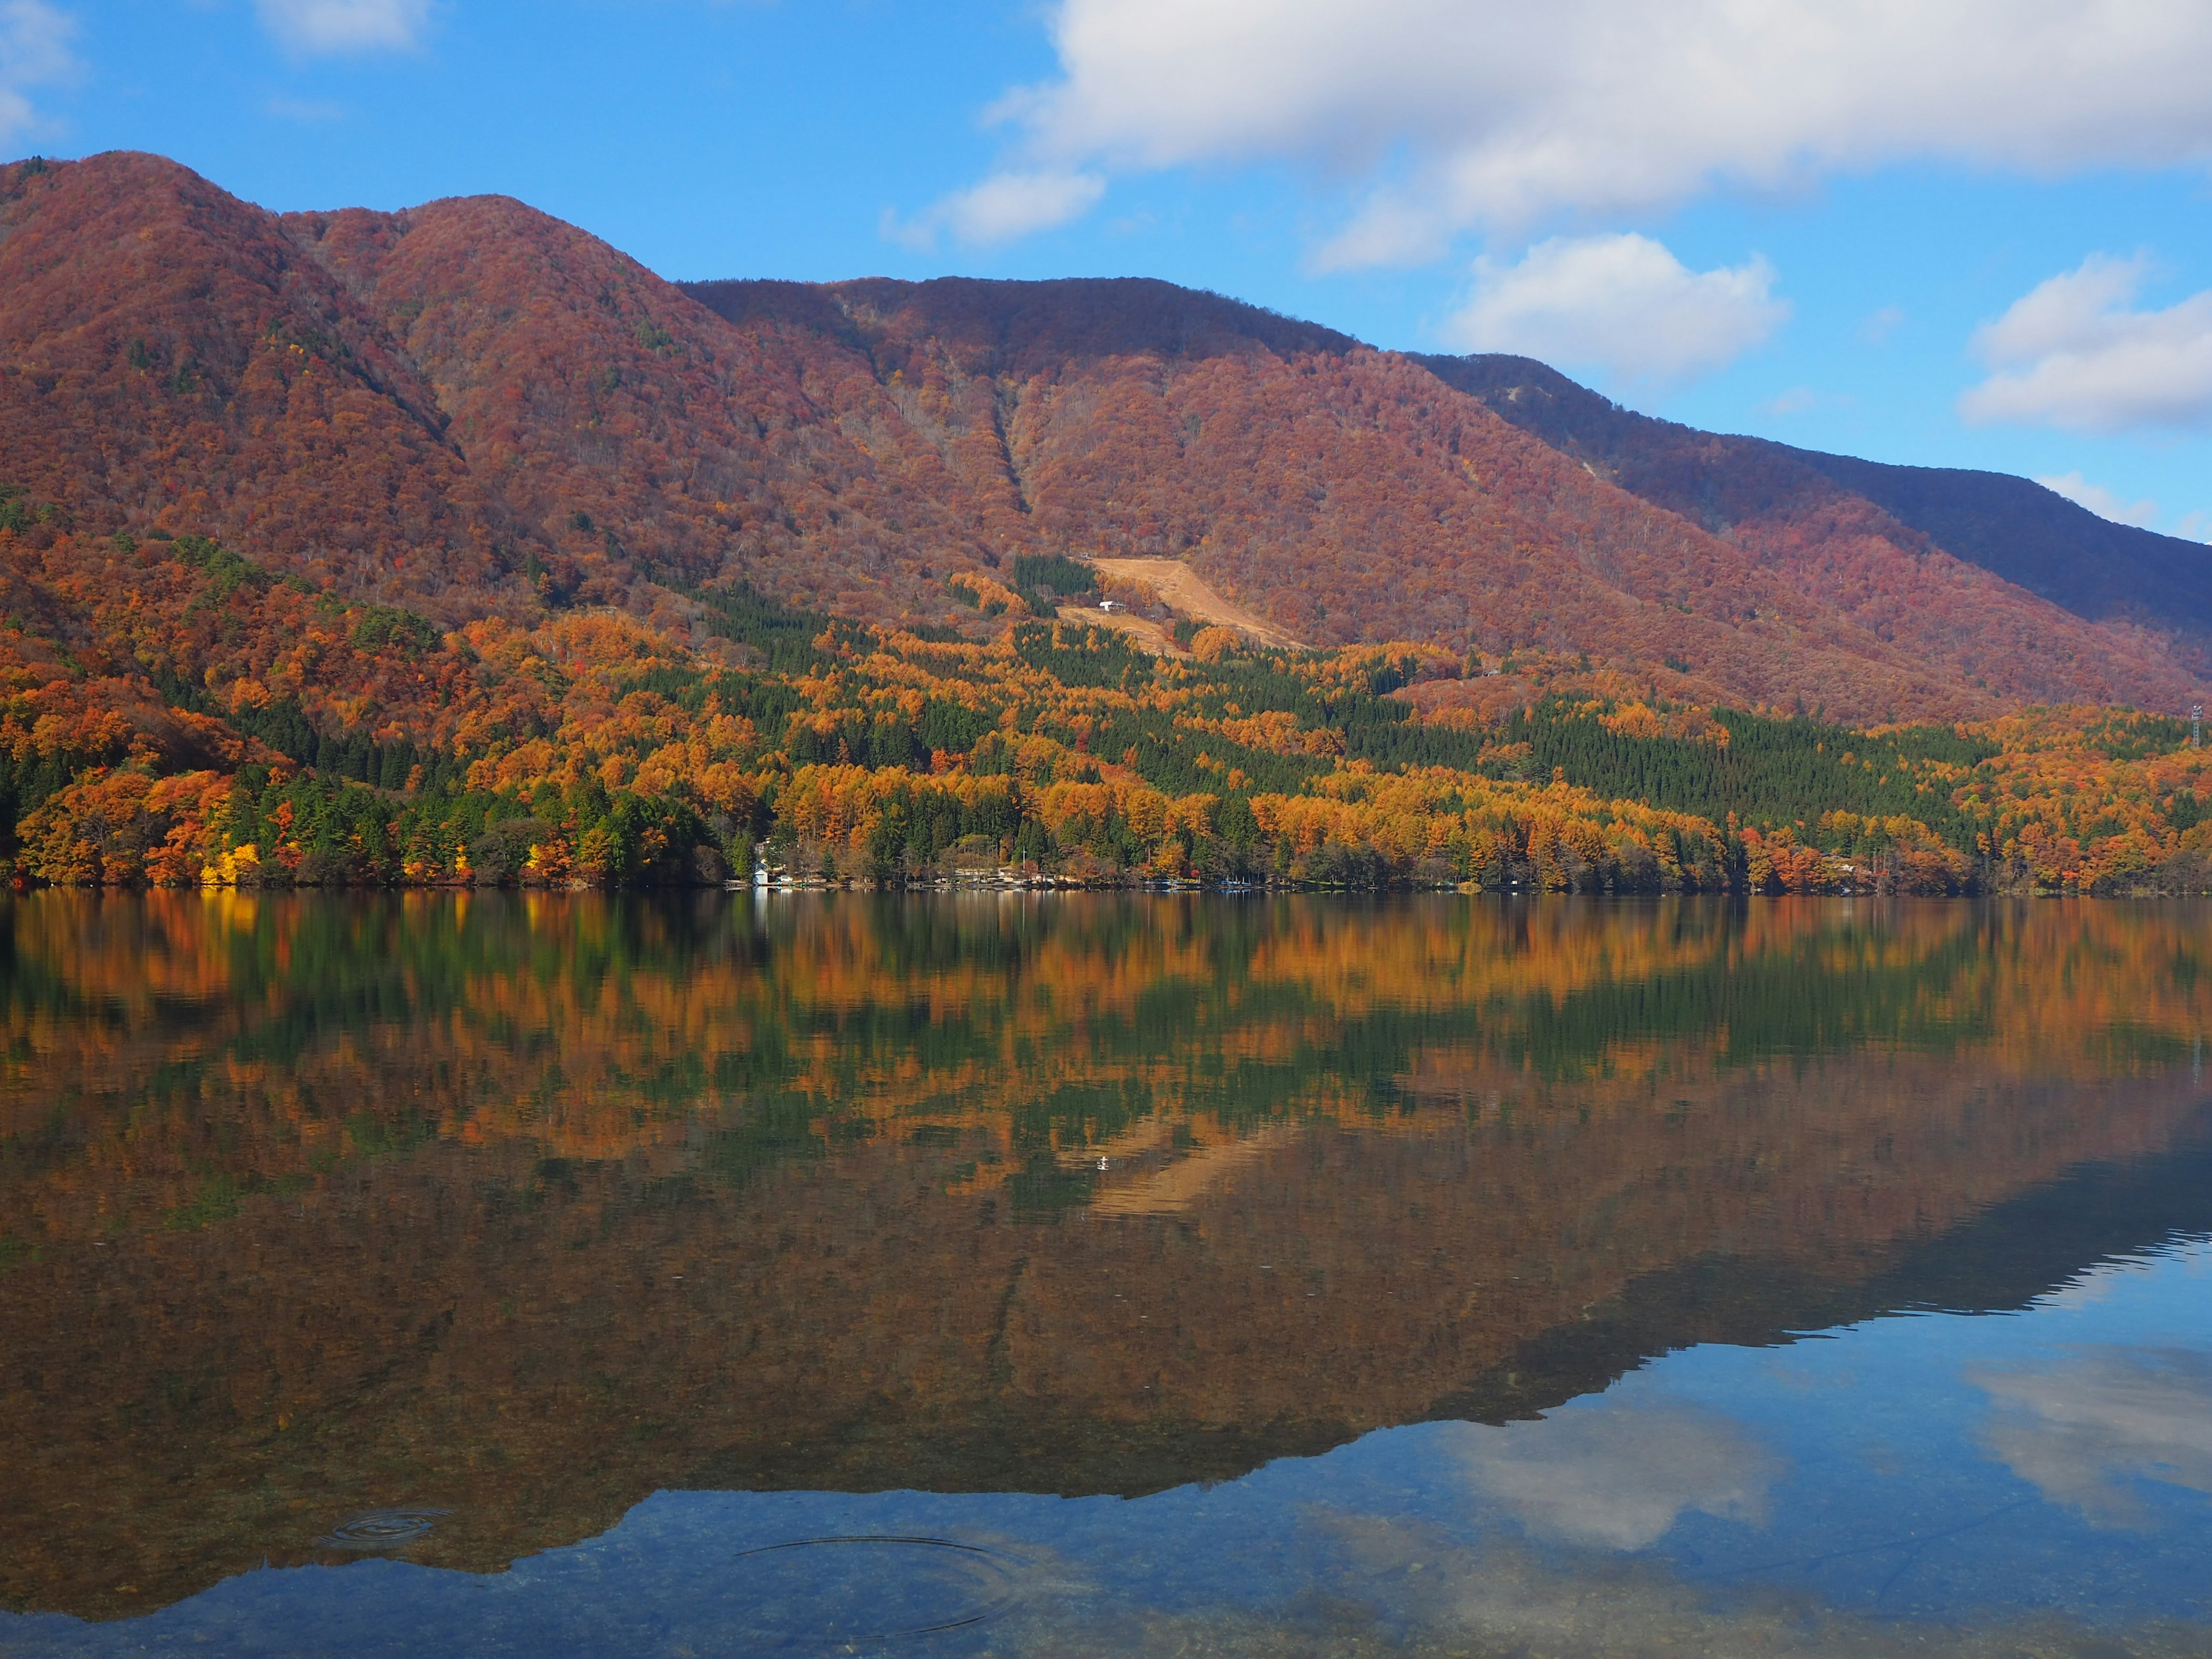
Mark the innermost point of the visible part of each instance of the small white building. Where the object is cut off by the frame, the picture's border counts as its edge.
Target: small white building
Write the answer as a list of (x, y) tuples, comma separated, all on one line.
[(1110, 604)]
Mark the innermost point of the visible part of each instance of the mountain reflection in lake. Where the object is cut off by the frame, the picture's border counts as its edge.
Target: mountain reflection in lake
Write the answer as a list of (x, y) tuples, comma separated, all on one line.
[(1086, 1273)]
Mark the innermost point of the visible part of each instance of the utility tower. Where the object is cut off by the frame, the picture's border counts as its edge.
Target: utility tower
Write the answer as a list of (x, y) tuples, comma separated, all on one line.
[(2196, 726)]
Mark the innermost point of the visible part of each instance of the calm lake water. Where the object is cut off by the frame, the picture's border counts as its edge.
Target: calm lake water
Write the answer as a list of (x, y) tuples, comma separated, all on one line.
[(1082, 1274)]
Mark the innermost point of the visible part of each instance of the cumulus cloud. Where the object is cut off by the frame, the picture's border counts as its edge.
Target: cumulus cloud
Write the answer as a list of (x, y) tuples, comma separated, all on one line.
[(2078, 1431), (2072, 352), (1004, 207), (35, 52), (1624, 304), (2098, 500), (1443, 115), (342, 26), (1620, 1477)]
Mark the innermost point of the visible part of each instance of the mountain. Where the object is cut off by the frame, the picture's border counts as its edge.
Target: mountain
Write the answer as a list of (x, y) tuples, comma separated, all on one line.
[(1348, 494), (1806, 510), (452, 545), (472, 409), (172, 357)]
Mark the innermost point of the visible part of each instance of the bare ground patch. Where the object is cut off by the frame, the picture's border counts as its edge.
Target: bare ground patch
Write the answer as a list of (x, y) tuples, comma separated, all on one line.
[(1147, 636), (1179, 585)]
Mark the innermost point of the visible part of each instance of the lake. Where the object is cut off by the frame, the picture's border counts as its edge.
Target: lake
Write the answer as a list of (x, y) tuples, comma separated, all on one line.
[(1075, 1274)]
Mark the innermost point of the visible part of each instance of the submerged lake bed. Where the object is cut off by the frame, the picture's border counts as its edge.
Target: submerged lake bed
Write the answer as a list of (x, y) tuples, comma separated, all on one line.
[(1074, 1273)]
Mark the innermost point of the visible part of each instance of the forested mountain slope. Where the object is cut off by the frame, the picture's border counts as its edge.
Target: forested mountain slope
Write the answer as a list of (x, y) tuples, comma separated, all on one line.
[(169, 356), (2050, 546), (452, 545), (1817, 514), (474, 409), (1347, 495)]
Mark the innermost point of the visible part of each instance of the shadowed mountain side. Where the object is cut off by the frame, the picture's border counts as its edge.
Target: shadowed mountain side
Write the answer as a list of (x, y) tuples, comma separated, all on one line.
[(1834, 518), (2035, 537)]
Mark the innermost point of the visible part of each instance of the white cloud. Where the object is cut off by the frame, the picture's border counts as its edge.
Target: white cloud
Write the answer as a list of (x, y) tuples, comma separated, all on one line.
[(2098, 500), (1882, 325), (341, 25), (1004, 207), (35, 52), (1795, 401), (1624, 304), (1619, 1477), (2071, 353), (2078, 1431), (1443, 115)]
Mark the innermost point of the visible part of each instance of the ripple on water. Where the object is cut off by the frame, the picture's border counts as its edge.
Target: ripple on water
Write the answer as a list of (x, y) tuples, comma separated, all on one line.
[(871, 1588), (381, 1530)]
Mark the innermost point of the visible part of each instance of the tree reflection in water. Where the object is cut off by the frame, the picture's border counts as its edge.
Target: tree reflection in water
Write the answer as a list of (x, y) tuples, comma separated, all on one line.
[(524, 1208)]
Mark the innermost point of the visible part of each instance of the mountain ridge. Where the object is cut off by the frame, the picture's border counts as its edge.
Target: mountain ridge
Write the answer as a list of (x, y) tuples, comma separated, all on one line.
[(452, 545), (1968, 512), (472, 408)]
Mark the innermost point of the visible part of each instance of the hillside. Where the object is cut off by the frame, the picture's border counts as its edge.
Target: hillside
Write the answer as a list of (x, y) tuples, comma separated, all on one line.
[(452, 545), (1348, 495), (171, 359), (458, 405), (1815, 515)]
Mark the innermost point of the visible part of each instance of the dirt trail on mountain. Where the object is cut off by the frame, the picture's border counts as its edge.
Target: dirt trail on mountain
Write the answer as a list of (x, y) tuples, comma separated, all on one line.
[(1179, 585)]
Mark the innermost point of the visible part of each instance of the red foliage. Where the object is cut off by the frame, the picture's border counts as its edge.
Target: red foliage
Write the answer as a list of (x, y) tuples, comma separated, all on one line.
[(472, 409)]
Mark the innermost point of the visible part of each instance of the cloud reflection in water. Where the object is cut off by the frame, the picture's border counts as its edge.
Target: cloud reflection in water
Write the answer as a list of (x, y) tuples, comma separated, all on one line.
[(1618, 1479), (2079, 1429)]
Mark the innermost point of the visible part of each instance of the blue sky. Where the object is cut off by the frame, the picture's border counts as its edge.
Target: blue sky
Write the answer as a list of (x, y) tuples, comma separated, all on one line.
[(1956, 232)]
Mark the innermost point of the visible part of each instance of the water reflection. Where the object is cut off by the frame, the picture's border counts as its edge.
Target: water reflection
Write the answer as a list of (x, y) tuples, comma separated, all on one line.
[(1452, 1239), (1621, 1480), (2085, 1430)]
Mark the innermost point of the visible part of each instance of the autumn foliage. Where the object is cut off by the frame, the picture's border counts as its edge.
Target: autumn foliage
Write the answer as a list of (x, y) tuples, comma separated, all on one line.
[(452, 546)]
